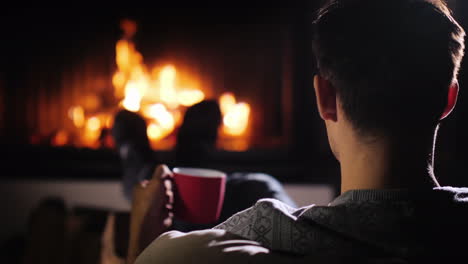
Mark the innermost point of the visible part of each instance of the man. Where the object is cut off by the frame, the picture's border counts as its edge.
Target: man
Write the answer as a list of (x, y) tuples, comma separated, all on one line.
[(387, 76)]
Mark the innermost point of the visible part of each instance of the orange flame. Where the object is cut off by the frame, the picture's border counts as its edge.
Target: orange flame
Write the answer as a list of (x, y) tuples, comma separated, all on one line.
[(159, 113), (237, 119), (190, 97), (76, 114), (167, 86), (133, 95), (162, 123), (92, 131), (226, 102), (156, 94), (235, 115), (60, 139), (155, 132), (93, 124)]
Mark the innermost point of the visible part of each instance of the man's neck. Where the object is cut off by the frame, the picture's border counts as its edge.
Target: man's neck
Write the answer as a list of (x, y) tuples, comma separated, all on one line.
[(379, 165)]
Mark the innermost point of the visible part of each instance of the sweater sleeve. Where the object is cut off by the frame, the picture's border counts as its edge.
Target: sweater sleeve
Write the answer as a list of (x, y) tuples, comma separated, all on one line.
[(208, 246), (271, 223)]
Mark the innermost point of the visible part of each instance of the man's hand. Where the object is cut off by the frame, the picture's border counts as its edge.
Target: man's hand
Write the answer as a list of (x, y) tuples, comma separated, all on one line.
[(151, 213)]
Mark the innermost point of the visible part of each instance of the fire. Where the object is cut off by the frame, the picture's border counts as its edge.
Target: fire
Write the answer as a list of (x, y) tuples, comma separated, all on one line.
[(237, 119), (236, 115), (133, 95), (167, 90), (162, 123), (93, 124), (92, 131), (60, 139), (118, 80), (226, 102), (160, 94), (109, 121), (77, 116), (190, 97), (159, 113), (154, 132)]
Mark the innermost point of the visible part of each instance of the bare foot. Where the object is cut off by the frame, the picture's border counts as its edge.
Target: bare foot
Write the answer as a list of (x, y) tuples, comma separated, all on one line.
[(108, 255), (151, 211)]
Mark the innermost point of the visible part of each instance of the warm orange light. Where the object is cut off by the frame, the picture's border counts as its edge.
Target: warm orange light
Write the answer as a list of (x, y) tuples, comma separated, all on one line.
[(178, 118), (118, 80), (167, 86), (92, 132), (154, 132), (190, 97), (226, 102), (130, 67), (124, 52), (109, 120), (93, 124), (133, 96), (159, 113), (60, 139), (160, 93), (237, 144), (236, 119), (157, 96), (76, 114), (126, 55), (129, 27), (168, 74)]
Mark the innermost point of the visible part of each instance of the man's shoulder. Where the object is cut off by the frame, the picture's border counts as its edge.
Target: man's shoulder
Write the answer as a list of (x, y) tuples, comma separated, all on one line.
[(220, 246), (267, 207), (208, 246)]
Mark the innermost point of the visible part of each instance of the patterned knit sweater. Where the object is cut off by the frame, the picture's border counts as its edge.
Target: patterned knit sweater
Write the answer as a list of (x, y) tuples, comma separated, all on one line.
[(399, 223)]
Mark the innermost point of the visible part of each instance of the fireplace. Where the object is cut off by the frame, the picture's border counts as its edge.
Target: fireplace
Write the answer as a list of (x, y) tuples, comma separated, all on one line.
[(67, 88), (65, 80), (161, 94), (58, 65)]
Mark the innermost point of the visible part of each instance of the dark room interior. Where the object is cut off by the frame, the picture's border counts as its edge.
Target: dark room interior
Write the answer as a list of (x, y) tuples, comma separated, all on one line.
[(58, 64)]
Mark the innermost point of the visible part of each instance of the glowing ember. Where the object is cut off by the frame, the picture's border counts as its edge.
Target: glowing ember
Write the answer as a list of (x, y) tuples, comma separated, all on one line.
[(60, 139)]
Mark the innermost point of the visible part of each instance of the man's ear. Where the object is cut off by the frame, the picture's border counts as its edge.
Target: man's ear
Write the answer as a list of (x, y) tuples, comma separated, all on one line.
[(452, 99), (326, 98)]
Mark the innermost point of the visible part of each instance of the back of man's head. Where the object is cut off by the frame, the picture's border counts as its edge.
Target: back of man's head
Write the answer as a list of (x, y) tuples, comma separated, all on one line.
[(390, 61)]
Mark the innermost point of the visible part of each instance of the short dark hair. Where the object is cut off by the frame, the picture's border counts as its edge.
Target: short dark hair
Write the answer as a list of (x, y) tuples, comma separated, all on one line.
[(390, 61)]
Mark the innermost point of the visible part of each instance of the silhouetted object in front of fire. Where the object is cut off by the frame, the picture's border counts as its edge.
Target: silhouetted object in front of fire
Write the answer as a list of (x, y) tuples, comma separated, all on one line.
[(198, 134), (131, 141)]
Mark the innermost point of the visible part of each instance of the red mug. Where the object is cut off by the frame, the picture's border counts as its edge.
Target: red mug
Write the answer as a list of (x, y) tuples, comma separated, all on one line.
[(199, 194)]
